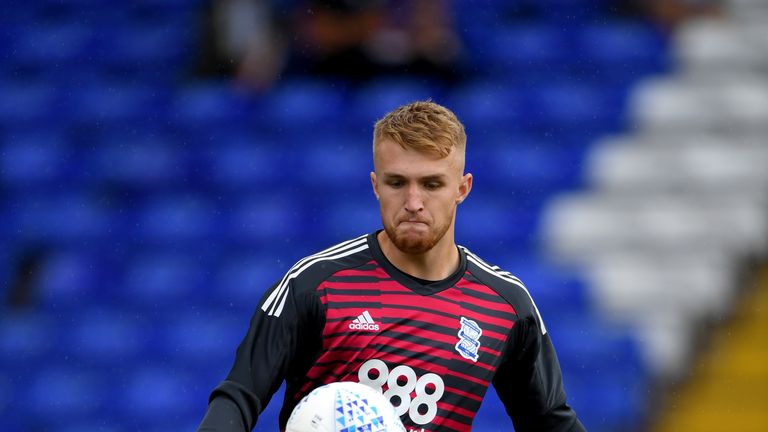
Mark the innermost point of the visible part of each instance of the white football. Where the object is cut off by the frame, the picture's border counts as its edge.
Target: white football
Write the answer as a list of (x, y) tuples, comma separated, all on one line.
[(344, 407)]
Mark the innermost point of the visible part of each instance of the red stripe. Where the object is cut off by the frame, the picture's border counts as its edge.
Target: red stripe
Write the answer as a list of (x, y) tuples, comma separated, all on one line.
[(453, 424), (468, 377)]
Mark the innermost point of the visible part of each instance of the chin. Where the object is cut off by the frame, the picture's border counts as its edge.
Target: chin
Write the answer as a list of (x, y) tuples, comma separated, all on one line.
[(412, 243)]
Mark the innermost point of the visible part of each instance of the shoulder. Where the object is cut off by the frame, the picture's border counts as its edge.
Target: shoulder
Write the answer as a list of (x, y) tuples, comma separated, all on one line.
[(507, 285), (310, 271)]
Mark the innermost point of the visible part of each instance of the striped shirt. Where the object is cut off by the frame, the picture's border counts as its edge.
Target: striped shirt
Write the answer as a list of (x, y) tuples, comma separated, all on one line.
[(432, 348)]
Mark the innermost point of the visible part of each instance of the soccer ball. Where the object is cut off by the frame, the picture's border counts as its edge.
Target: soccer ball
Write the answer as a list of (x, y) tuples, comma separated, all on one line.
[(344, 407)]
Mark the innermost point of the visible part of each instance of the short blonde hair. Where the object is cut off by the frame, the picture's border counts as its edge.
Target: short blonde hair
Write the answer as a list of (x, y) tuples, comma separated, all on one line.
[(423, 126)]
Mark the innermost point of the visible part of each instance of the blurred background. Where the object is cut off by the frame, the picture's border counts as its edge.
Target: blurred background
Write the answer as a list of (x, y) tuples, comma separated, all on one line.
[(162, 162)]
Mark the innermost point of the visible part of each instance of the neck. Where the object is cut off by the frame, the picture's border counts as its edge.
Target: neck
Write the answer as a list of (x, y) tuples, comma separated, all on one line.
[(435, 264)]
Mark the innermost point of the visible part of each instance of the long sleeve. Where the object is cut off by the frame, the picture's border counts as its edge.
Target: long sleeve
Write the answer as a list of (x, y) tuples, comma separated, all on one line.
[(272, 350), (529, 383)]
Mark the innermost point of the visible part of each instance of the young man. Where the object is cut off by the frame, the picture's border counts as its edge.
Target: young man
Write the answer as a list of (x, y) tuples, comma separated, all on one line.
[(404, 310)]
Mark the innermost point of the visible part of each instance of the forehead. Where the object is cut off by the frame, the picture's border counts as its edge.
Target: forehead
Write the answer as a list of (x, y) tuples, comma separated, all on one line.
[(391, 158)]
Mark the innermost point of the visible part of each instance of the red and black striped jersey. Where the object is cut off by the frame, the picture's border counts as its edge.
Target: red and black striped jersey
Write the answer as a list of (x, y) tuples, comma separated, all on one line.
[(431, 347)]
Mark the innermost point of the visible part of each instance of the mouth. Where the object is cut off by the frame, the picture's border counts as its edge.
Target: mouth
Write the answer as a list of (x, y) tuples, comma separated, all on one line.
[(413, 223)]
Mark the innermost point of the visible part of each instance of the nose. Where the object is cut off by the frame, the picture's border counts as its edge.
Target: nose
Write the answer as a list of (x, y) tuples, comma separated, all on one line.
[(413, 200)]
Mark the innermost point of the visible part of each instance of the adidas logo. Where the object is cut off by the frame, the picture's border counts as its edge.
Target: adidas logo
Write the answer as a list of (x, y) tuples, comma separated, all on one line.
[(364, 322)]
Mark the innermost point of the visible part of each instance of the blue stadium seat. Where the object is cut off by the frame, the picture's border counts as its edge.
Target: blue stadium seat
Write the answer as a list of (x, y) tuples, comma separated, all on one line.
[(111, 102), (335, 161), (45, 44), (25, 340), (71, 278), (241, 280), (106, 338), (28, 104), (620, 52), (604, 369), (63, 218), (34, 158), (143, 160), (525, 161), (486, 106), (60, 393), (490, 224), (555, 289), (271, 221), (527, 52), (243, 161), (206, 338), (152, 50), (155, 394), (162, 278), (350, 219), (210, 105), (576, 108), (173, 219), (378, 96), (298, 105)]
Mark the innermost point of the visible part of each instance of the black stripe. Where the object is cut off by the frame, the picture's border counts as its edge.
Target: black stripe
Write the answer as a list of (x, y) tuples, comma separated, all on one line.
[(357, 279), (362, 291)]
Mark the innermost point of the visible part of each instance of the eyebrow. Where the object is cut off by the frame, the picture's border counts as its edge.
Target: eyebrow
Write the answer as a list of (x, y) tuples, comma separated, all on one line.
[(431, 177)]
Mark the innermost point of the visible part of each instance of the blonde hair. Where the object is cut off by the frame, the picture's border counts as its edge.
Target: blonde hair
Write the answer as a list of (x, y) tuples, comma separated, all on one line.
[(423, 126)]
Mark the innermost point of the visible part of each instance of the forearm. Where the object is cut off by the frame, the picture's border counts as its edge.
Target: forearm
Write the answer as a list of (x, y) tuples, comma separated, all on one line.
[(223, 415)]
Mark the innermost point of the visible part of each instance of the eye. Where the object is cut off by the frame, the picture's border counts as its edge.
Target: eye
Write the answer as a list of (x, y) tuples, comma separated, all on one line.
[(395, 183), (432, 185)]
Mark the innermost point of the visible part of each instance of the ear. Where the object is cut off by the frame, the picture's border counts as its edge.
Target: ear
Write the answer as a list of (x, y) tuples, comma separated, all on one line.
[(464, 187), (374, 184)]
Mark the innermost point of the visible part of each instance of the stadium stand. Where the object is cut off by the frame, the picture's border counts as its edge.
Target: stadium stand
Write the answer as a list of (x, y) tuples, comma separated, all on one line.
[(144, 211)]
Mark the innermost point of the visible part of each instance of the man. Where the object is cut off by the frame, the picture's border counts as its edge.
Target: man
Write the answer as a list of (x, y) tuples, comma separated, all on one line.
[(404, 310)]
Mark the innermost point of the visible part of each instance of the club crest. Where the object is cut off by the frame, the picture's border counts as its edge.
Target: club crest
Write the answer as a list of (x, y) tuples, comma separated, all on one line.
[(469, 339)]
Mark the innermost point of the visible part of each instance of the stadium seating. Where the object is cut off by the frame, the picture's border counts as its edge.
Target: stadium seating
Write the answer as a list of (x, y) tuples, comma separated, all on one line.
[(154, 209)]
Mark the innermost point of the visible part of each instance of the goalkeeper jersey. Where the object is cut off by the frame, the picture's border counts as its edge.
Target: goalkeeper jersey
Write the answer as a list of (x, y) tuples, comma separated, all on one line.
[(432, 348)]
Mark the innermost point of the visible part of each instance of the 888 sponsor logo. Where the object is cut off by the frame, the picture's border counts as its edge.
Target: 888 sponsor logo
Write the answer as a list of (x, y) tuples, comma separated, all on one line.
[(401, 382)]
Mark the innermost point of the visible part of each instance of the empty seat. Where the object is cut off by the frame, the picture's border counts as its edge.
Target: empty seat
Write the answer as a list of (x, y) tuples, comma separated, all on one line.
[(718, 47), (28, 103), (243, 161), (176, 218), (153, 392), (487, 106), (350, 219), (65, 218), (110, 101), (34, 158), (59, 393), (335, 161), (378, 96), (206, 105), (528, 52), (306, 103), (71, 278), (622, 51), (106, 337), (139, 161), (269, 220), (159, 278), (240, 280), (25, 339), (205, 339), (574, 107), (488, 225)]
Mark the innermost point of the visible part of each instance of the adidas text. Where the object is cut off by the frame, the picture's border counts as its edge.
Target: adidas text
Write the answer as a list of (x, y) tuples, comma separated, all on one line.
[(363, 326)]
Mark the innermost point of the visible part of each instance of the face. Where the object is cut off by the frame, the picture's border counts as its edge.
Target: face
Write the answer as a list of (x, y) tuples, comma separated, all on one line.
[(418, 194)]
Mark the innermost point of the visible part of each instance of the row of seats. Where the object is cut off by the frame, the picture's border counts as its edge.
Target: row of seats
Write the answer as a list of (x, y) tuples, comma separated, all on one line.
[(147, 212), (129, 375)]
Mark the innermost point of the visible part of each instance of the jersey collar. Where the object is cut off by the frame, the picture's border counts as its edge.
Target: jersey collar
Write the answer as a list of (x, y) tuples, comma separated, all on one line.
[(420, 286)]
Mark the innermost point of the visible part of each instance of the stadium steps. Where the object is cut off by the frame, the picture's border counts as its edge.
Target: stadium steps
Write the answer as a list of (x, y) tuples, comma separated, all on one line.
[(729, 383)]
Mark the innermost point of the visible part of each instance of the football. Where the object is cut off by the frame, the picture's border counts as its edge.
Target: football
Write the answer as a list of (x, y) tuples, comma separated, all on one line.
[(344, 407)]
